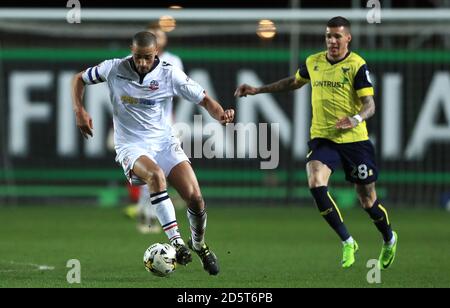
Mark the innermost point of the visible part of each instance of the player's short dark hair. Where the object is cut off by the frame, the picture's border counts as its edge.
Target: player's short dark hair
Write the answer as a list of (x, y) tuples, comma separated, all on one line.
[(338, 21), (144, 39)]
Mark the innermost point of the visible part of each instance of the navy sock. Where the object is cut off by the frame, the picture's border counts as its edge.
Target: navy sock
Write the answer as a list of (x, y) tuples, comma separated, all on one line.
[(329, 211), (381, 220)]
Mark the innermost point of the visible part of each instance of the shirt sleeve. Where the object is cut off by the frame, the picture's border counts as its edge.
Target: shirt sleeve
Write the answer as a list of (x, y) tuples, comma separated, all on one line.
[(186, 87), (302, 74), (362, 83), (99, 73)]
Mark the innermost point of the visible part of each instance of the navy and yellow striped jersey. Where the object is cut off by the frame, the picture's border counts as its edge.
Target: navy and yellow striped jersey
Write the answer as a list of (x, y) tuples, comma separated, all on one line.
[(336, 89)]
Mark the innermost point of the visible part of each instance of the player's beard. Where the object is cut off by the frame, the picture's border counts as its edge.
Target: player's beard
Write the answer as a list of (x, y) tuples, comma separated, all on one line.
[(143, 70)]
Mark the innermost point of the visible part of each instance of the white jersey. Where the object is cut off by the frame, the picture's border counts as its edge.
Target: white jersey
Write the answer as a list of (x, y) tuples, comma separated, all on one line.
[(138, 101), (175, 61)]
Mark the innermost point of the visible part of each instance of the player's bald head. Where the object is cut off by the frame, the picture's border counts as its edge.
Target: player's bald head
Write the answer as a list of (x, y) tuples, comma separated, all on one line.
[(144, 39)]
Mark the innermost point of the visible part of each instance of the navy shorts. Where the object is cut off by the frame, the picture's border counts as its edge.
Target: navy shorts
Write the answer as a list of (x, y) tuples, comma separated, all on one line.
[(357, 158)]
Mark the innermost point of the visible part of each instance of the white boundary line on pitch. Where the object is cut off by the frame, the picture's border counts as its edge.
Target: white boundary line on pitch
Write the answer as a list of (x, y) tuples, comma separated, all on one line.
[(37, 267)]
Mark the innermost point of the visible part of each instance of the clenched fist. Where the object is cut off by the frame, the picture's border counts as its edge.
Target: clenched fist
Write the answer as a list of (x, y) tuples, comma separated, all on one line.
[(227, 116)]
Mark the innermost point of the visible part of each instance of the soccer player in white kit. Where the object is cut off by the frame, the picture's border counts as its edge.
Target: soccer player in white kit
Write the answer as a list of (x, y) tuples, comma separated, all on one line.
[(145, 211), (139, 87)]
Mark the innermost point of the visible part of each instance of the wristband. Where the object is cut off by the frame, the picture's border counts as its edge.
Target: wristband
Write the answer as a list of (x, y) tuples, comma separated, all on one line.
[(358, 118)]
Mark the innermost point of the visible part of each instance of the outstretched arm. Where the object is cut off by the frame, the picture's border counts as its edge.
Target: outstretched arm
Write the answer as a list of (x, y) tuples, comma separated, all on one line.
[(367, 111), (84, 120), (286, 84), (216, 111)]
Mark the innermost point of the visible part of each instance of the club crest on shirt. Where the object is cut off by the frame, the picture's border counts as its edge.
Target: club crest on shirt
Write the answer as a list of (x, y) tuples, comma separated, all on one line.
[(154, 85)]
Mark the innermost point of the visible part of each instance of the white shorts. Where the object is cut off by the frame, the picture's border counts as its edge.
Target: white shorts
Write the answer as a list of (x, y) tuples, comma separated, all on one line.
[(166, 157)]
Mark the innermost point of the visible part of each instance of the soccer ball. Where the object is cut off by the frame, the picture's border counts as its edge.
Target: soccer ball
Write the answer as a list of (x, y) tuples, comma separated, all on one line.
[(160, 259)]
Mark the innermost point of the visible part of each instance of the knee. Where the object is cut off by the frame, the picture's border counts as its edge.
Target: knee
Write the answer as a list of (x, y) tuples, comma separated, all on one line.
[(318, 174), (315, 180), (366, 195), (156, 179), (366, 201)]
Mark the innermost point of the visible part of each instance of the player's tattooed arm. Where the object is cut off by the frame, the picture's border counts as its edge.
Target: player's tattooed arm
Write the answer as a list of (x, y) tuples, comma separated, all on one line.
[(367, 111), (84, 120), (286, 84), (216, 111)]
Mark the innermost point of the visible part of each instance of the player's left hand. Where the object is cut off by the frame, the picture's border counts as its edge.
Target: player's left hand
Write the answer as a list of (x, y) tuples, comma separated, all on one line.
[(227, 116), (346, 123)]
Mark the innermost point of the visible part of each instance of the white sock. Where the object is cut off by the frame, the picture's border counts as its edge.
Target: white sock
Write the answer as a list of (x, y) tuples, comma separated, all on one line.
[(348, 241), (198, 226), (166, 215)]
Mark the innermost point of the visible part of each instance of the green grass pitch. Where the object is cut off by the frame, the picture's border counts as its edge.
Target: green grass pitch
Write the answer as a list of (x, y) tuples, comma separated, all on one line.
[(257, 247)]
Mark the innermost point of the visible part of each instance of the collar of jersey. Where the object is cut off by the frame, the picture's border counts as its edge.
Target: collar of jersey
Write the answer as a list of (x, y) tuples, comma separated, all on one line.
[(336, 62), (142, 76)]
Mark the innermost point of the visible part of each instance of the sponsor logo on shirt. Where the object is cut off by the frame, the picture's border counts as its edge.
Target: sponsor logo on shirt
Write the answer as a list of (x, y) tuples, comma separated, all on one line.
[(137, 101), (327, 83)]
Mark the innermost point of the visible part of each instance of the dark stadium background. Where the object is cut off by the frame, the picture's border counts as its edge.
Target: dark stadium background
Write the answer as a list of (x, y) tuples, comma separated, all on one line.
[(53, 208)]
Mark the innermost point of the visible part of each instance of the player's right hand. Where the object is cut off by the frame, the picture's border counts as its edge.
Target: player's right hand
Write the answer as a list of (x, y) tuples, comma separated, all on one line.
[(84, 123), (244, 90)]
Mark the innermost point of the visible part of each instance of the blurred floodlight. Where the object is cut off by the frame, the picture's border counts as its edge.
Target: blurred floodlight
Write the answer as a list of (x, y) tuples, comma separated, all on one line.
[(167, 23), (175, 7), (266, 29)]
